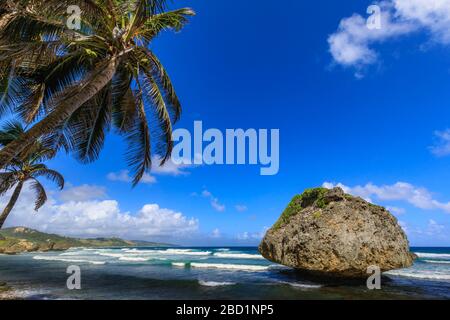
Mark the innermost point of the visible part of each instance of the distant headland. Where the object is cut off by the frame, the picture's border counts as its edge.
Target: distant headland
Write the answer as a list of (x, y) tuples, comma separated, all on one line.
[(20, 239)]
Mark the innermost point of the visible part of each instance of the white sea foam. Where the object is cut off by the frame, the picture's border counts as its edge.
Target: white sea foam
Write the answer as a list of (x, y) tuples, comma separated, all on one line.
[(238, 255), (140, 252), (243, 267), (179, 264), (72, 253), (133, 259), (215, 284), (433, 255), (420, 275), (223, 249), (186, 252), (113, 255), (301, 285), (437, 261), (67, 260), (189, 252)]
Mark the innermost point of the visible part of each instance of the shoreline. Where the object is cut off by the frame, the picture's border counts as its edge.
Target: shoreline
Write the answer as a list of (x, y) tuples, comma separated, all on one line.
[(7, 293)]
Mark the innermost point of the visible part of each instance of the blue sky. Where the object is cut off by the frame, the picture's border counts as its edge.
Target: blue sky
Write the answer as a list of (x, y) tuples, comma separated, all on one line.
[(367, 115)]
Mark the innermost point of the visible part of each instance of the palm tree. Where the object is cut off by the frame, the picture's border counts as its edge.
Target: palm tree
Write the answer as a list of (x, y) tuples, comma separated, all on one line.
[(75, 84), (27, 167)]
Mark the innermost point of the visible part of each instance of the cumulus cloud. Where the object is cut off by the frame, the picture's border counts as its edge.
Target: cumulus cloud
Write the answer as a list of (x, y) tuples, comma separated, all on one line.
[(442, 146), (353, 42), (401, 191), (100, 218), (82, 193)]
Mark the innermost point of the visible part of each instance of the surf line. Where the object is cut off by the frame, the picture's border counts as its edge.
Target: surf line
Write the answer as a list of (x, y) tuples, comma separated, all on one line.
[(198, 311)]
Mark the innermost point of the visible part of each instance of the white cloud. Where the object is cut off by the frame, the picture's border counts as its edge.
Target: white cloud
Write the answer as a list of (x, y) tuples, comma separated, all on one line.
[(432, 15), (432, 230), (404, 226), (241, 207), (82, 193), (396, 210), (124, 176), (215, 203), (400, 191), (352, 44), (249, 236), (104, 218), (148, 179), (169, 169), (206, 193), (442, 145)]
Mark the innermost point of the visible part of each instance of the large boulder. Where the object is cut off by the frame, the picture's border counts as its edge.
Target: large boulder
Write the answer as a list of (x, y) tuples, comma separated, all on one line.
[(329, 233)]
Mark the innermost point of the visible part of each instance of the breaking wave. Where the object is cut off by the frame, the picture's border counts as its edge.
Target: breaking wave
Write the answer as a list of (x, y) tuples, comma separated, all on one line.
[(301, 285), (419, 275), (179, 264), (68, 260), (437, 261), (433, 255), (243, 267), (215, 283), (238, 255)]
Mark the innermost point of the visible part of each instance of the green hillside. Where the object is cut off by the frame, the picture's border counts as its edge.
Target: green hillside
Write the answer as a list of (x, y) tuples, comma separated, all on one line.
[(20, 239)]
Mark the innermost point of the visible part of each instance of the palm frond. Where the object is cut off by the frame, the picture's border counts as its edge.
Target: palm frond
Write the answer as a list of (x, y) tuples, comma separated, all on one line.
[(7, 181), (155, 98), (139, 145), (10, 131), (143, 10), (93, 120), (27, 27), (41, 195), (50, 174), (123, 101), (174, 20), (160, 75), (12, 91)]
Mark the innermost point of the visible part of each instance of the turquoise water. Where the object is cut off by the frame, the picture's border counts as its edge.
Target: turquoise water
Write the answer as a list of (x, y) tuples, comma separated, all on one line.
[(206, 273)]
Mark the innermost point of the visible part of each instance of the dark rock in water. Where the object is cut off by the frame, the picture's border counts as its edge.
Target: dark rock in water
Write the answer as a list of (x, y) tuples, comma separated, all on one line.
[(330, 233)]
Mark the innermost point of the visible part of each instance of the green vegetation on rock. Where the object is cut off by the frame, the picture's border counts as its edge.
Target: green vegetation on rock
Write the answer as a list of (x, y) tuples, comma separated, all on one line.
[(308, 198)]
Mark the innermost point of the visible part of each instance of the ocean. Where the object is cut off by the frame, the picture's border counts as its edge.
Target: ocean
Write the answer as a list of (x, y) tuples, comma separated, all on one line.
[(206, 273)]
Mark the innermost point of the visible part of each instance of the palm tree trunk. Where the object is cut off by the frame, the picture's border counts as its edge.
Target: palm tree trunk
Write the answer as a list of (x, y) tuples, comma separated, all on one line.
[(11, 203), (96, 80)]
